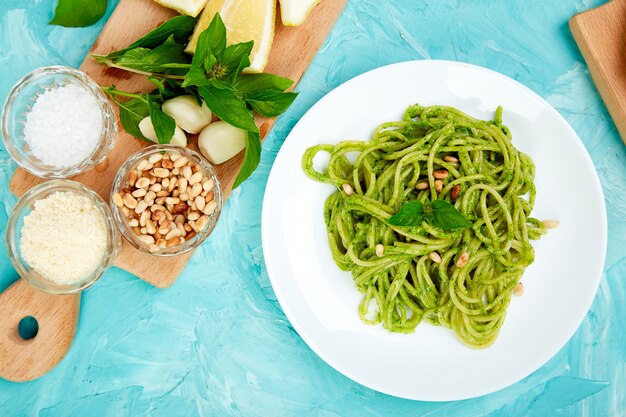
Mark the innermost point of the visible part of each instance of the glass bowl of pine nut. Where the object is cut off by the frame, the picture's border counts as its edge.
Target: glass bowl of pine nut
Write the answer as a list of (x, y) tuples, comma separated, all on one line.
[(166, 200)]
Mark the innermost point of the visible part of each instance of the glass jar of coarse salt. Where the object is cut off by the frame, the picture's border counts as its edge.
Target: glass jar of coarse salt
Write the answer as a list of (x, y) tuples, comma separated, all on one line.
[(57, 122), (61, 237)]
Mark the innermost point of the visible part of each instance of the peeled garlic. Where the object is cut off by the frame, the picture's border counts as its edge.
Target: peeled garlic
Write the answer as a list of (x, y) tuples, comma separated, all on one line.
[(185, 110), (221, 141), (147, 129)]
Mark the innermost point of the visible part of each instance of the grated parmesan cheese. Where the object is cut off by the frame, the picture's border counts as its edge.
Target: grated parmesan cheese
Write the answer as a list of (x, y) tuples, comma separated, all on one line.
[(64, 237), (64, 125)]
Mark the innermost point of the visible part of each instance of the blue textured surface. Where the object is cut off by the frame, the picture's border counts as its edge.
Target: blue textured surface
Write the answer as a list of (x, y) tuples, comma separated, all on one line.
[(217, 342)]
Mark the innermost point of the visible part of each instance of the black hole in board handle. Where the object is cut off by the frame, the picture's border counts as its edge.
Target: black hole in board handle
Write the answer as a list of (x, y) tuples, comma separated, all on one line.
[(28, 328)]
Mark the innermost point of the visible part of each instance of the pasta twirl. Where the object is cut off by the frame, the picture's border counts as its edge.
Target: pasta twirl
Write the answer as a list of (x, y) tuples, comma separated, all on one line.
[(417, 274)]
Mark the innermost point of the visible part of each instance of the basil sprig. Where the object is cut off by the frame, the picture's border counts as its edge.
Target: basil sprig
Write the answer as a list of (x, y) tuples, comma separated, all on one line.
[(214, 75), (439, 213)]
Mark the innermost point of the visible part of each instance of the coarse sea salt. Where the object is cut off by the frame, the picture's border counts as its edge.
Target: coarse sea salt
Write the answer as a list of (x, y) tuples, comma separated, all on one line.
[(64, 125)]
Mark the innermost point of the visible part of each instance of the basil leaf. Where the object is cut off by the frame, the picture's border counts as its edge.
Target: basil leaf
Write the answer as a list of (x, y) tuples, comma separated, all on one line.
[(168, 58), (270, 103), (228, 107), (410, 214), (164, 125), (211, 40), (237, 57), (251, 158), (196, 77), (180, 27), (78, 13), (446, 217), (131, 113), (249, 83)]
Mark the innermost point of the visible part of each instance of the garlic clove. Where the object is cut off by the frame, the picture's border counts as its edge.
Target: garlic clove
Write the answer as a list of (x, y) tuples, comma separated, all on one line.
[(185, 110), (147, 129), (221, 141)]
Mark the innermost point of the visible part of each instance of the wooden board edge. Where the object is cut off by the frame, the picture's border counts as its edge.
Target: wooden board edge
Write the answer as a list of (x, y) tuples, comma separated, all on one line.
[(602, 82)]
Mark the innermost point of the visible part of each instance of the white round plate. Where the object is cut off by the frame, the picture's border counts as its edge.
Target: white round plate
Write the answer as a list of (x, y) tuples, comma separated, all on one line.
[(431, 364)]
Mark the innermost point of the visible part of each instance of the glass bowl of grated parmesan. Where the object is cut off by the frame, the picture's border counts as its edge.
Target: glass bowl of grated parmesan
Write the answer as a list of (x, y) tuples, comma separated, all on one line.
[(61, 237), (57, 123)]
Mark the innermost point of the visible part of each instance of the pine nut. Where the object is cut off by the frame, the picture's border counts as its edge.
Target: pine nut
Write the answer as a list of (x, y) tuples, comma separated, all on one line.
[(133, 223), (126, 211), (438, 185), (132, 178), (175, 241), (141, 207), (175, 156), (440, 174), (153, 248), (150, 196), (380, 250), (463, 260), (146, 239), (180, 162), (162, 193), (142, 165), (172, 200), (186, 171), (195, 190), (154, 158), (183, 196), (209, 197), (456, 190), (173, 233), (195, 178), (156, 207), (161, 172), (182, 184), (156, 187), (173, 183), (167, 164), (347, 188), (194, 215), (117, 200), (166, 183), (187, 228), (422, 185), (140, 192), (200, 203), (190, 235), (176, 171), (202, 222), (152, 179), (210, 208), (137, 230), (180, 208), (449, 158), (156, 215), (519, 289), (161, 243), (550, 224), (208, 184), (129, 201), (145, 215), (434, 256), (142, 182)]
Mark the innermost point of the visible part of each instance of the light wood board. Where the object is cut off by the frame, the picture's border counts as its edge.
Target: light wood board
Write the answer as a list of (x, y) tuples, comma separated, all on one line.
[(57, 316), (601, 36), (291, 54)]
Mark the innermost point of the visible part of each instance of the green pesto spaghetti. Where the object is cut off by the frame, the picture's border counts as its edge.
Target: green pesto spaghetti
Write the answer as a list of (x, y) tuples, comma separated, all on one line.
[(458, 277)]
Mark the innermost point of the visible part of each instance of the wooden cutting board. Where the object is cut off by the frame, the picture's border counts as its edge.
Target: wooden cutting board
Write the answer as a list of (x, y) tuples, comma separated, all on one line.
[(291, 54), (601, 36)]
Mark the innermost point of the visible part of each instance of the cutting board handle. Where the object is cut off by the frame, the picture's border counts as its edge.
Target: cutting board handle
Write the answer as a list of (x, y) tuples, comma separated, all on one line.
[(57, 318)]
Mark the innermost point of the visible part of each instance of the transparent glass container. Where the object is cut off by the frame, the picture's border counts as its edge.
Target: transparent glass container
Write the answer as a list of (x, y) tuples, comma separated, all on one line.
[(121, 182), (16, 221), (19, 102)]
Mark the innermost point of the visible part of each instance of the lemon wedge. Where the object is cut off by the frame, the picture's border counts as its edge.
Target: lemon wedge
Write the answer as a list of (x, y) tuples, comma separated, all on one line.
[(188, 7), (245, 20), (294, 12)]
